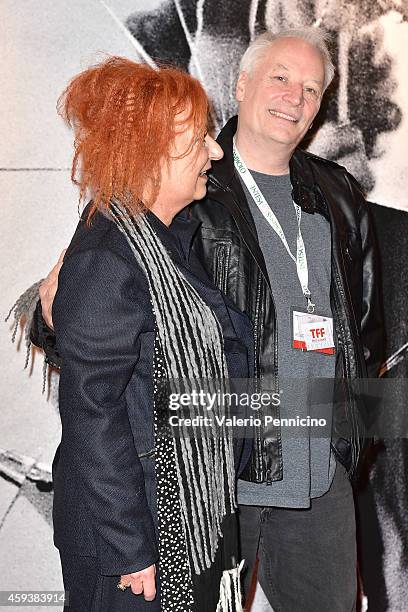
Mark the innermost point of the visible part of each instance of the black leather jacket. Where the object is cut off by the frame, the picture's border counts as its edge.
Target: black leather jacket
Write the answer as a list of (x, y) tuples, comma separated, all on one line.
[(227, 244)]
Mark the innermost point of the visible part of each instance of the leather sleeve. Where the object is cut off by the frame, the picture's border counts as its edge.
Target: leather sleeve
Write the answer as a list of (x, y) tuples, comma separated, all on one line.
[(99, 313), (372, 327)]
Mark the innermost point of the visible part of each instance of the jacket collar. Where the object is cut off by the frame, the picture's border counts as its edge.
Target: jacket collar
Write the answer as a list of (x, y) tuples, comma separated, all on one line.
[(177, 240), (177, 237), (304, 189)]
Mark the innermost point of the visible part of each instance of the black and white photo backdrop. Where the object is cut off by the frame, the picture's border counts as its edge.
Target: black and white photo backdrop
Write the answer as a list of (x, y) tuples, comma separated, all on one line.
[(363, 125)]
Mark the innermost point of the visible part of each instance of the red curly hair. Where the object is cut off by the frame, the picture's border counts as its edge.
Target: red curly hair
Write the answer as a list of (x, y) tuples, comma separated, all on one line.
[(124, 116)]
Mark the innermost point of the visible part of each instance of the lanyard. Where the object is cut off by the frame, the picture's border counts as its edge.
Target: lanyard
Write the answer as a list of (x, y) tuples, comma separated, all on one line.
[(259, 199)]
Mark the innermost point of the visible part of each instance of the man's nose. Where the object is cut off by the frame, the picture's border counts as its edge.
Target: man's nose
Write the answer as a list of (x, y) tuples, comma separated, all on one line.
[(214, 149), (294, 94)]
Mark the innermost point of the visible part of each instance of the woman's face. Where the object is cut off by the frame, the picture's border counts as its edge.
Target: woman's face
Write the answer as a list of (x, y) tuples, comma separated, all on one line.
[(184, 178)]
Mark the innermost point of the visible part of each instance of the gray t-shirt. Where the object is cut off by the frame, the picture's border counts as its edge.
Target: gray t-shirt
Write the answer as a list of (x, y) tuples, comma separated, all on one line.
[(308, 465)]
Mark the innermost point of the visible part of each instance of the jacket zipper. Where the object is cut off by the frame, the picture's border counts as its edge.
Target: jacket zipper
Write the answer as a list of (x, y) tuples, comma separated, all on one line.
[(221, 268), (258, 436), (355, 444)]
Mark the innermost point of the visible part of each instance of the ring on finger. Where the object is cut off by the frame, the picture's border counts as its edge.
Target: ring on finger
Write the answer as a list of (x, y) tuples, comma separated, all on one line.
[(121, 586)]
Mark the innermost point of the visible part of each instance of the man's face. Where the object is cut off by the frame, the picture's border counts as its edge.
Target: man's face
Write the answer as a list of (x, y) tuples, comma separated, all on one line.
[(282, 96)]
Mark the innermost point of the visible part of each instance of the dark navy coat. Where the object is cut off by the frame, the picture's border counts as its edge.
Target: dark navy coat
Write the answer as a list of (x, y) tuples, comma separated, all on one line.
[(104, 501)]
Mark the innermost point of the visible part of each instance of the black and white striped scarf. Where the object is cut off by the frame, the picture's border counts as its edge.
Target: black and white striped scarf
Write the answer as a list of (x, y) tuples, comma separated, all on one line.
[(195, 475)]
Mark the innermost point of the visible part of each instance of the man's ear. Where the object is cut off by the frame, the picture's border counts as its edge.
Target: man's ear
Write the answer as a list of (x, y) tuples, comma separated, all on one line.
[(241, 86)]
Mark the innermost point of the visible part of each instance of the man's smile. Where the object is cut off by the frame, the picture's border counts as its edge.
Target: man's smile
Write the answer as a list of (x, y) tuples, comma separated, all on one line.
[(282, 115)]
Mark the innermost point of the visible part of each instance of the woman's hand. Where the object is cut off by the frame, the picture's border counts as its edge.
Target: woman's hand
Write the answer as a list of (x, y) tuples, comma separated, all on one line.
[(48, 289), (142, 582)]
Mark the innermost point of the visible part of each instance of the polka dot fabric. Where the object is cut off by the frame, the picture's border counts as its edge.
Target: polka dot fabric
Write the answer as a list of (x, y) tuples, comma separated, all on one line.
[(175, 576)]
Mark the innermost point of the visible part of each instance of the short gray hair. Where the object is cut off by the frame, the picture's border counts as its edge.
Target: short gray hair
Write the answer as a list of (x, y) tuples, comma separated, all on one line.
[(316, 37)]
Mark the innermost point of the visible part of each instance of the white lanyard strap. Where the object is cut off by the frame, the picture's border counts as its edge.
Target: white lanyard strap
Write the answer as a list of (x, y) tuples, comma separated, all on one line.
[(259, 199)]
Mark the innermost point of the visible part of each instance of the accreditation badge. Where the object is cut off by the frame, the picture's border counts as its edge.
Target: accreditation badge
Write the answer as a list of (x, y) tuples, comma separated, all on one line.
[(312, 332)]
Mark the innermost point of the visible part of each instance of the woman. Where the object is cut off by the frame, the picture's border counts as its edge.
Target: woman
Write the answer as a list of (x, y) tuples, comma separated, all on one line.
[(138, 503)]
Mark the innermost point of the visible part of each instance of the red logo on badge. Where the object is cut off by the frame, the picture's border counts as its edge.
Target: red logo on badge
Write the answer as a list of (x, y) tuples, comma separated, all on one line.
[(318, 332)]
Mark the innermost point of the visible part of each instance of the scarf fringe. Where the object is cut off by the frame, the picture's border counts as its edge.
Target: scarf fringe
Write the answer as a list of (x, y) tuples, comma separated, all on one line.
[(23, 311), (230, 590)]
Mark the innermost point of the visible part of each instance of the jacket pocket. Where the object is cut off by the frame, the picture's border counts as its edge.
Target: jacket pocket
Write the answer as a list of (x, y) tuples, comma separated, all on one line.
[(221, 264)]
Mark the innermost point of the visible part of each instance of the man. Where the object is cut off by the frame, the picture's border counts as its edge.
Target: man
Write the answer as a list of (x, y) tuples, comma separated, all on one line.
[(296, 504), (310, 265)]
